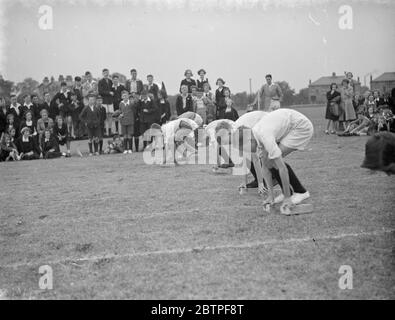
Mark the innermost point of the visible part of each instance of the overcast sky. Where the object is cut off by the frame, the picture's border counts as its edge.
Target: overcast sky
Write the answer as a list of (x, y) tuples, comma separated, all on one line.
[(292, 41)]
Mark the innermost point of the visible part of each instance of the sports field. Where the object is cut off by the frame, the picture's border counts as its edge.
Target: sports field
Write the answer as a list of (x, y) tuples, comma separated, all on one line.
[(114, 227)]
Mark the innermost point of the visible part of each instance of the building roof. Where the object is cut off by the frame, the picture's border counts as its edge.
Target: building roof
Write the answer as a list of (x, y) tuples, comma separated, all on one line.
[(326, 81), (386, 76)]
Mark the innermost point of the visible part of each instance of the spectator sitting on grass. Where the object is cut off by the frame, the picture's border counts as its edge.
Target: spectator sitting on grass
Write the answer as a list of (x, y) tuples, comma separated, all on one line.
[(49, 145), (115, 145), (8, 150), (27, 146)]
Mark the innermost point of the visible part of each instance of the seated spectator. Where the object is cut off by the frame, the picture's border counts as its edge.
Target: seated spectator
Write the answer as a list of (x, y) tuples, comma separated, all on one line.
[(230, 112), (184, 101), (30, 123), (44, 123), (27, 146), (115, 145), (202, 81), (49, 145), (8, 149), (62, 134), (12, 125), (188, 81)]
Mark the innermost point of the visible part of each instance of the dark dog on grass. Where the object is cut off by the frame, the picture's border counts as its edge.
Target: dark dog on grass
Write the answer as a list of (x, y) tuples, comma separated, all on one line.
[(380, 153)]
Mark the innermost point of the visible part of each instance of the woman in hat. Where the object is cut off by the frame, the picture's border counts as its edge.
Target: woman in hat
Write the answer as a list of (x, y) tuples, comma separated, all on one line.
[(27, 146), (202, 80), (188, 81), (220, 98)]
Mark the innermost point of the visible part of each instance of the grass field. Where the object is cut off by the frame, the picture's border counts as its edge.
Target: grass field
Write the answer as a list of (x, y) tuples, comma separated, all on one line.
[(113, 227)]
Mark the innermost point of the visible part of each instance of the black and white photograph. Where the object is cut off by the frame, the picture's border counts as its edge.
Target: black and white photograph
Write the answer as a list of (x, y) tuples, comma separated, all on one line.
[(216, 151)]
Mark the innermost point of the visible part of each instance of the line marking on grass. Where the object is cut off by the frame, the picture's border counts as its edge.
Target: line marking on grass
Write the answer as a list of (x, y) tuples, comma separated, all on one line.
[(247, 245)]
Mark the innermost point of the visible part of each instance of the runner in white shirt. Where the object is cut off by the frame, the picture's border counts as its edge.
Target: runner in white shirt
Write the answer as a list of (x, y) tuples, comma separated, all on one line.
[(174, 133), (272, 138)]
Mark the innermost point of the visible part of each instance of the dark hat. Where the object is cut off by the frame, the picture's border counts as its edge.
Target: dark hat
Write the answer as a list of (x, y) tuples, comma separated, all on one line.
[(133, 70), (201, 70), (63, 84), (77, 78), (46, 79), (220, 79), (87, 73)]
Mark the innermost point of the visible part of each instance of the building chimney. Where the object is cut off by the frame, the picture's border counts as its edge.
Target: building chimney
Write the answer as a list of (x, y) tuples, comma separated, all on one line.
[(358, 80), (309, 82), (333, 74)]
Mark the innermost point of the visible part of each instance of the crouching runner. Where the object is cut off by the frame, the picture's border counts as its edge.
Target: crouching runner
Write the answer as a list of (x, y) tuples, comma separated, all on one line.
[(170, 136), (275, 136)]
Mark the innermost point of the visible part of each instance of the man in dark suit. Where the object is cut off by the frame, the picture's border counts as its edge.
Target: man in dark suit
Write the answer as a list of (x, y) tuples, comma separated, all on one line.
[(149, 114), (133, 85), (64, 97), (117, 89), (36, 106), (104, 88), (152, 87), (47, 104), (90, 115)]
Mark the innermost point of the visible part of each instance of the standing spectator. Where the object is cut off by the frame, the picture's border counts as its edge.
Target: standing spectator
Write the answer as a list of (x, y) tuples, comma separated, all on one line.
[(164, 107), (46, 103), (127, 115), (117, 89), (44, 123), (89, 86), (90, 115), (149, 114), (105, 86), (61, 134), (209, 104), (220, 98), (202, 80), (76, 107), (36, 106), (78, 90), (188, 81), (28, 106), (270, 95), (378, 98), (3, 115), (65, 111), (184, 101), (133, 85), (152, 87), (50, 146), (16, 110), (44, 87), (332, 108), (103, 116), (346, 95), (27, 146)]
